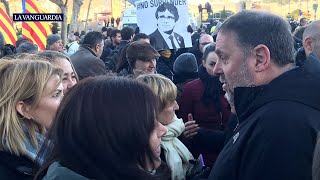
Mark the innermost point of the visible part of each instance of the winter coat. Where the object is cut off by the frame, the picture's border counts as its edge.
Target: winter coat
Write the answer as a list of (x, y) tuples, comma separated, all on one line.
[(107, 49), (205, 115), (72, 48), (87, 64), (13, 167), (58, 172), (112, 59), (180, 86), (212, 141)]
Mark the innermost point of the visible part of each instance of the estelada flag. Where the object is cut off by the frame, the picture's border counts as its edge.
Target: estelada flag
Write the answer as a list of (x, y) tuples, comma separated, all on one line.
[(6, 27), (35, 31)]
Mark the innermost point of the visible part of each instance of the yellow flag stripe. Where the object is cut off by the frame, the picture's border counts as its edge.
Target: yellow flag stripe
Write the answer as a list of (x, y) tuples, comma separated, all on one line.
[(45, 25), (36, 29), (6, 27)]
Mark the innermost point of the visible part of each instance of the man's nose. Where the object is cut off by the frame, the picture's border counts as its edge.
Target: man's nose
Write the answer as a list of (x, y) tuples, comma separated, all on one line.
[(217, 70), (176, 106), (153, 63)]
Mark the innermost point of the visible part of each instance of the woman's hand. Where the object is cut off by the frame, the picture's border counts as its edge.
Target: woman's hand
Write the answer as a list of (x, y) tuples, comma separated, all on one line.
[(191, 127)]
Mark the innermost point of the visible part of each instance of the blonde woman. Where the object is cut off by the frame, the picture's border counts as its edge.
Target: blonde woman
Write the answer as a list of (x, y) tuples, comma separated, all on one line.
[(59, 60), (30, 94), (176, 154)]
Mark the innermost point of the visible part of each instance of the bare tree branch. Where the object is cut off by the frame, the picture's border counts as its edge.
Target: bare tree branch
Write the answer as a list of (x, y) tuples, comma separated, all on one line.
[(64, 10), (86, 25)]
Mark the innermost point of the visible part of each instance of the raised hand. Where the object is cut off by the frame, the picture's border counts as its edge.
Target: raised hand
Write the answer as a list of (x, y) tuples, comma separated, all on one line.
[(191, 127)]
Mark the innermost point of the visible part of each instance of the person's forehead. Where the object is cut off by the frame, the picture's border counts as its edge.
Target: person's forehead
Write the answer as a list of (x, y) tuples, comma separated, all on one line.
[(212, 57), (206, 38), (224, 42), (61, 63), (52, 84), (146, 60), (166, 12)]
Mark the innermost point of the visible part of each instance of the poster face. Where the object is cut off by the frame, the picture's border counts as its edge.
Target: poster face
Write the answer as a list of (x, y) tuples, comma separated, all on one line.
[(165, 21)]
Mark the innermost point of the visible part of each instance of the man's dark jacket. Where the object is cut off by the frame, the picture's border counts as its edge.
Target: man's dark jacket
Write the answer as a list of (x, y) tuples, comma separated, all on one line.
[(278, 129), (112, 60), (161, 44), (107, 49), (86, 63), (15, 168)]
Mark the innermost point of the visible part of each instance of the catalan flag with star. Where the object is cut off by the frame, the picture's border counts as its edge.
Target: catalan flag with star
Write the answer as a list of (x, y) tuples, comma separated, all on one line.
[(6, 27), (35, 31)]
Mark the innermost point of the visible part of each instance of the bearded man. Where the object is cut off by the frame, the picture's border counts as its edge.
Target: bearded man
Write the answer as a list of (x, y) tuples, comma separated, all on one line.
[(277, 104)]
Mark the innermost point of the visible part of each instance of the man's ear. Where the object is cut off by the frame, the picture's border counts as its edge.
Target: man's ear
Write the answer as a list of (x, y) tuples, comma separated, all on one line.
[(97, 48), (262, 57), (203, 63), (307, 44), (23, 109)]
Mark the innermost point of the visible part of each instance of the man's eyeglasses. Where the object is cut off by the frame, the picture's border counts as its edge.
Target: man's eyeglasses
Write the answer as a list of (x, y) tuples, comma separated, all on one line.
[(168, 17)]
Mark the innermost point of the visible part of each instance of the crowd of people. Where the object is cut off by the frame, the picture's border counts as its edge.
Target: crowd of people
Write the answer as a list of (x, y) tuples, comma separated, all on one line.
[(242, 103)]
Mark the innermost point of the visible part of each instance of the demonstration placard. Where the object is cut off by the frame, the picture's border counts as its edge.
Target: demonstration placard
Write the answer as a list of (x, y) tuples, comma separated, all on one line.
[(165, 21)]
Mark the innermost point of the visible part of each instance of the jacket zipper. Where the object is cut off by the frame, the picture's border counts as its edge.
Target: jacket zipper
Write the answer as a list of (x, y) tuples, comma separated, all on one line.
[(236, 128)]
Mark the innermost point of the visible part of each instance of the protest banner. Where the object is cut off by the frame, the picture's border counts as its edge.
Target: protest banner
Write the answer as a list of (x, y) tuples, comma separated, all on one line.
[(165, 21)]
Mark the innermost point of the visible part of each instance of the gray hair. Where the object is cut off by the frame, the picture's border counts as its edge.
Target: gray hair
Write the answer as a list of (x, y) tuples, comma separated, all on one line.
[(312, 30)]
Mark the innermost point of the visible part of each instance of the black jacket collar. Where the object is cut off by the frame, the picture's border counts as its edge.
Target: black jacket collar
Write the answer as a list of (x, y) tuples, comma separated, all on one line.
[(298, 85)]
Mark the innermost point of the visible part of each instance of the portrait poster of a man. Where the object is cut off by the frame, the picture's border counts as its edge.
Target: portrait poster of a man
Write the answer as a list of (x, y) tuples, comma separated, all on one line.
[(165, 22)]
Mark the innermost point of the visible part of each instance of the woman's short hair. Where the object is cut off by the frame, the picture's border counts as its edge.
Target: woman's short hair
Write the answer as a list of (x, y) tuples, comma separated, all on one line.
[(102, 129), (163, 87), (21, 80), (53, 56)]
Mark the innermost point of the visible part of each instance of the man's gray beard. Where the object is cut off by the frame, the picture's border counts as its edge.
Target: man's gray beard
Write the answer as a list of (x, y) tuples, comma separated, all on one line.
[(244, 78), (230, 98)]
